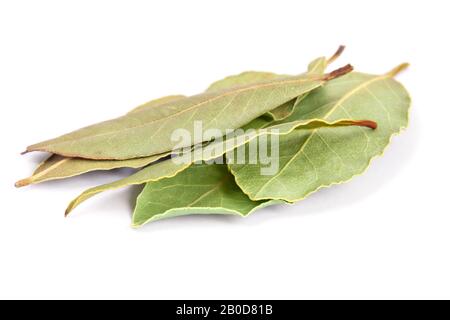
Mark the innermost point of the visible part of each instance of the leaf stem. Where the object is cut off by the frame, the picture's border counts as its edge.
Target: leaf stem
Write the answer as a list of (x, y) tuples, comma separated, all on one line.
[(338, 73), (366, 123), (394, 72), (336, 55), (23, 183)]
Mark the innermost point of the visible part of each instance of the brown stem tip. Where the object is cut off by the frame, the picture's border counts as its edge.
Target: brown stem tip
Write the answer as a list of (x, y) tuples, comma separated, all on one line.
[(338, 73), (336, 55), (69, 209), (367, 123)]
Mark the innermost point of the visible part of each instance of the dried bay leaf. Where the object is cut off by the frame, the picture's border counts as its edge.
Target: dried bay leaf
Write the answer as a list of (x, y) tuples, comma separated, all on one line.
[(312, 159), (58, 167), (122, 138), (170, 168), (200, 189)]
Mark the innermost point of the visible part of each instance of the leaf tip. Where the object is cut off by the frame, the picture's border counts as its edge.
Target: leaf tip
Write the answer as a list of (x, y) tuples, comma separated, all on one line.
[(338, 72), (70, 208), (398, 69)]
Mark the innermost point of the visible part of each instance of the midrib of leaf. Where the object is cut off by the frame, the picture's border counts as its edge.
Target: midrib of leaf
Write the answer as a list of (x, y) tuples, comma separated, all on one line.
[(53, 166), (338, 104), (36, 176), (218, 185)]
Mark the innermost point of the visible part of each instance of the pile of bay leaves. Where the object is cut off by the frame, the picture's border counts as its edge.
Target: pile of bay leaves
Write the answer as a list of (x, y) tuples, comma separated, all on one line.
[(328, 125)]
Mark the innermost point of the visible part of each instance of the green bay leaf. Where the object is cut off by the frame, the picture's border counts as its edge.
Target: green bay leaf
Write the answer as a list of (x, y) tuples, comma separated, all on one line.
[(58, 167), (200, 189), (312, 159)]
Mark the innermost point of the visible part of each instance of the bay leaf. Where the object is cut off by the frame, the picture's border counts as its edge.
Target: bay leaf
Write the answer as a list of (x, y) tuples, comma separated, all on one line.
[(200, 189), (122, 138), (170, 168), (58, 167), (313, 159)]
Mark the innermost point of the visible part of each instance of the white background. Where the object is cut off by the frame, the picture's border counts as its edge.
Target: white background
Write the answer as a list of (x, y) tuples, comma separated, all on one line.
[(66, 64)]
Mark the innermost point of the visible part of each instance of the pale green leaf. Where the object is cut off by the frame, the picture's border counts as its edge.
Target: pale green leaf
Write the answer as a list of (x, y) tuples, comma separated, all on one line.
[(312, 159), (58, 167), (200, 189)]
